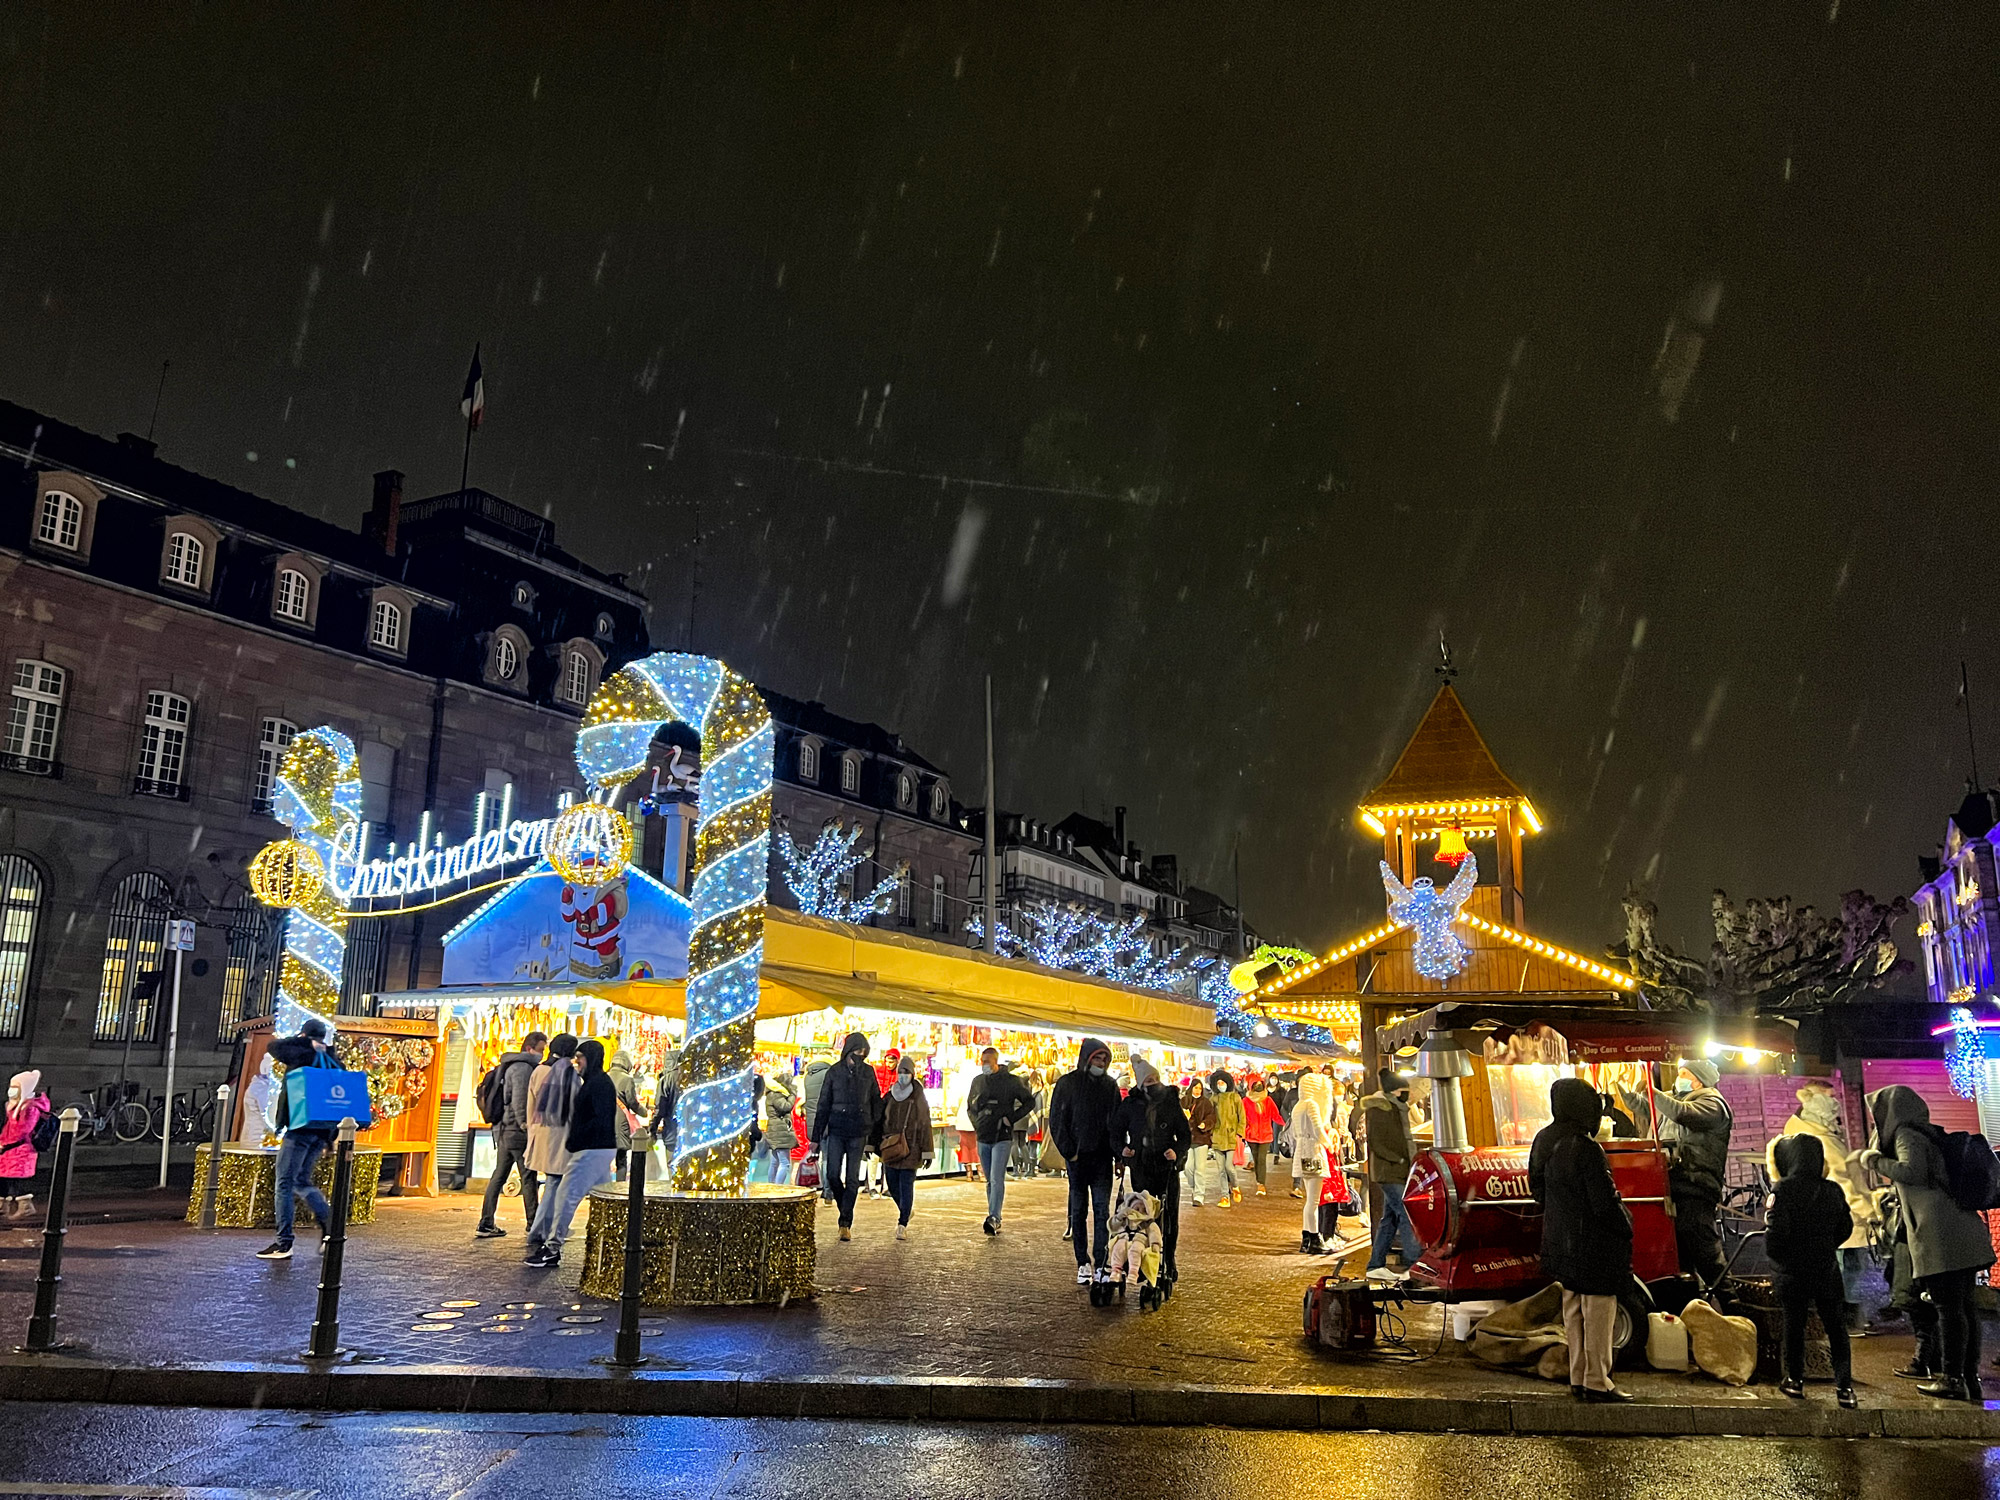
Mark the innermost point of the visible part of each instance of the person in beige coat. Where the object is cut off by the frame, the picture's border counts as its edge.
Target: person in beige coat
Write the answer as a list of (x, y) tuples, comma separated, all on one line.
[(1818, 1115)]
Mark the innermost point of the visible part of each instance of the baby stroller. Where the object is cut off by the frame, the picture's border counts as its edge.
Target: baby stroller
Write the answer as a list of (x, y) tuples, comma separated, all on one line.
[(1136, 1248)]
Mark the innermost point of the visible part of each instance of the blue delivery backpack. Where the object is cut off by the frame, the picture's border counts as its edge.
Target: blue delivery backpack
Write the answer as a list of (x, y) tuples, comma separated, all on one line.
[(321, 1096)]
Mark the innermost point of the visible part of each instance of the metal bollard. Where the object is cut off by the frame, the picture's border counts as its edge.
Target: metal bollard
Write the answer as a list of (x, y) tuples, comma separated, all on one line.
[(627, 1356), (325, 1340), (42, 1326), (213, 1181)]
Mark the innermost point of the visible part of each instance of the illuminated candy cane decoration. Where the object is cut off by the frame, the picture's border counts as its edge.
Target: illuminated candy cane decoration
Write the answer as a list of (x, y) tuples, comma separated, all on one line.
[(318, 796), (732, 864)]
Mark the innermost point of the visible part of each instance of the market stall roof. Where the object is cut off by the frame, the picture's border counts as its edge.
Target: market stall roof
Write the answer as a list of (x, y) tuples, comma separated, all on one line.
[(811, 963), (1591, 1029), (1445, 761)]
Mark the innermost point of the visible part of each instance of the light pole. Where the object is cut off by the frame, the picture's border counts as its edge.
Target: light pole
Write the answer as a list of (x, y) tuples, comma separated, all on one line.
[(180, 937)]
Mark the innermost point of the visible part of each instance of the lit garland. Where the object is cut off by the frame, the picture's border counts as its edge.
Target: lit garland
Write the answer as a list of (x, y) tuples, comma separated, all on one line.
[(1966, 1060), (816, 875), (1439, 954), (732, 857), (318, 796), (1060, 936)]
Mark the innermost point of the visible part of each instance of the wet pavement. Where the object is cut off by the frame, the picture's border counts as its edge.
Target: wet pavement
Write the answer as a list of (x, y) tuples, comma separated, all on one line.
[(947, 1302), (207, 1455)]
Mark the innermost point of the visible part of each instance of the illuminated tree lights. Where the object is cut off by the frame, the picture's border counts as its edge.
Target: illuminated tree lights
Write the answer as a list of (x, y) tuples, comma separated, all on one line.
[(819, 876), (1439, 953), (732, 853), (1966, 1060), (318, 796), (1070, 937)]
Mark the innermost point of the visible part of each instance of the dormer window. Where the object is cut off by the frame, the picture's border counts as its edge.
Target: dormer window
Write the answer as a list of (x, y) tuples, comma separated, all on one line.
[(850, 775), (524, 596), (288, 600), (61, 523), (906, 790), (576, 678), (389, 613), (578, 664), (938, 799), (808, 761), (506, 659), (185, 555), (605, 627)]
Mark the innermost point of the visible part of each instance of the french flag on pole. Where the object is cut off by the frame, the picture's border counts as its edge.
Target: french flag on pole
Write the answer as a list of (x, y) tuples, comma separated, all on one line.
[(472, 406)]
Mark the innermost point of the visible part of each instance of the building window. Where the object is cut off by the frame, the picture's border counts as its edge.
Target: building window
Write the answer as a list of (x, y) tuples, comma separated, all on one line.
[(163, 750), (35, 718), (272, 744), (937, 801), (292, 595), (850, 774), (576, 678), (906, 790), (905, 901), (524, 596), (505, 659), (604, 627), (249, 978), (184, 558), (385, 625), (61, 523), (808, 761), (128, 996), (937, 903), (20, 907)]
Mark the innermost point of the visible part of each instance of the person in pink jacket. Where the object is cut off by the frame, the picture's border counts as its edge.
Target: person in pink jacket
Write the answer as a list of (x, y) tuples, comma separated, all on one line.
[(26, 1104)]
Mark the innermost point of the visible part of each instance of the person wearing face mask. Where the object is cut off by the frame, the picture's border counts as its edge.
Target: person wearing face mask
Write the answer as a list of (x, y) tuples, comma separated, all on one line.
[(1818, 1115), (26, 1106), (1152, 1134), (1262, 1120), (850, 1106), (590, 1144), (1224, 1133), (1385, 1119), (1200, 1112), (996, 1103), (903, 1140), (1081, 1108), (1696, 1131)]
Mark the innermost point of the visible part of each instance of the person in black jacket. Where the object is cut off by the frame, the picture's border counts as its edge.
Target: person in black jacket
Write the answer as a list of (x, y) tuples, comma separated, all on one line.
[(849, 1109), (1152, 1134), (1586, 1233), (1803, 1234), (592, 1144), (1080, 1110), (996, 1103)]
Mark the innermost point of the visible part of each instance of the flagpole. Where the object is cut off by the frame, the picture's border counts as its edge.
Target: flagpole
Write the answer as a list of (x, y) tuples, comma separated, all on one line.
[(465, 464)]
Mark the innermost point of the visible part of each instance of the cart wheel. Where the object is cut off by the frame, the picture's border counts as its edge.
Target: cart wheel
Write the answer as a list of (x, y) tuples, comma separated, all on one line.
[(1121, 1288), (1629, 1330)]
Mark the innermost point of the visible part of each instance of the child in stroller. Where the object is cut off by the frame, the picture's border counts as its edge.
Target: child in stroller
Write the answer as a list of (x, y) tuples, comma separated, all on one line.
[(1137, 1246)]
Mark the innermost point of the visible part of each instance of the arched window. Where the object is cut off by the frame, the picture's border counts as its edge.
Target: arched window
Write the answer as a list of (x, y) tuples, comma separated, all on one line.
[(385, 625), (850, 774), (35, 717), (576, 678), (293, 594), (937, 800), (937, 903), (604, 627), (808, 761), (20, 909), (61, 523), (505, 659), (272, 743), (524, 596), (184, 558), (134, 943), (163, 749), (906, 790)]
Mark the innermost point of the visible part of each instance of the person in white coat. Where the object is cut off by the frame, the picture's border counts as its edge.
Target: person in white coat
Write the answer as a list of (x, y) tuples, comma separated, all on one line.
[(1819, 1115), (1312, 1143)]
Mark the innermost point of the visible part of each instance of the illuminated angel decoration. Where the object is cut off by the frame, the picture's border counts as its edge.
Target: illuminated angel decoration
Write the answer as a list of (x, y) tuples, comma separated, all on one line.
[(1440, 954)]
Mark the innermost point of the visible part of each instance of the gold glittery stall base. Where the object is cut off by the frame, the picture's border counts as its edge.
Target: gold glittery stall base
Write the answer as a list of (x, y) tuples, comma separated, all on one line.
[(706, 1249), (246, 1193)]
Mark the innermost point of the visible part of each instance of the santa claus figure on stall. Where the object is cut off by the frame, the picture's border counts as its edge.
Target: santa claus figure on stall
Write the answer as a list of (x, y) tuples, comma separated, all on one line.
[(596, 918)]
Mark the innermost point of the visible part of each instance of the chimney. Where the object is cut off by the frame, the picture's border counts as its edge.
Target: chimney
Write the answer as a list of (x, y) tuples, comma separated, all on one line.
[(132, 442), (1118, 829), (387, 510)]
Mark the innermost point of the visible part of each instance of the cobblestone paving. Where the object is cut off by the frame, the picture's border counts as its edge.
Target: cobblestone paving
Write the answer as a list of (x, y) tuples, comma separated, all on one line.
[(948, 1301)]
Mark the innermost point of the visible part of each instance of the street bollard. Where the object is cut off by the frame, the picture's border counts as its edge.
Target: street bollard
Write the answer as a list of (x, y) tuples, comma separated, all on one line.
[(325, 1341), (42, 1326), (627, 1356), (213, 1181)]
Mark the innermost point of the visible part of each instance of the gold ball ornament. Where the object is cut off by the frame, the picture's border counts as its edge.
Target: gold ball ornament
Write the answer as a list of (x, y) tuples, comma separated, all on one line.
[(286, 873), (590, 843)]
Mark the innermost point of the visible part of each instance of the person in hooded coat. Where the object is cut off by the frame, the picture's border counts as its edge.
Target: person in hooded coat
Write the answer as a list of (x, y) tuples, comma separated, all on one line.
[(780, 1138), (1152, 1134), (510, 1136), (1949, 1245), (1586, 1233), (1261, 1124), (1313, 1154), (626, 1089), (300, 1150), (1818, 1115), (1225, 1135), (551, 1092), (26, 1104), (590, 1150), (904, 1140), (1803, 1231), (1384, 1119), (1081, 1107), (810, 1083), (850, 1107)]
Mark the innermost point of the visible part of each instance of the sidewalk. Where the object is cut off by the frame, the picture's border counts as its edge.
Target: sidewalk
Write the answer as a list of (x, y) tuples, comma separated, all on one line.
[(947, 1324)]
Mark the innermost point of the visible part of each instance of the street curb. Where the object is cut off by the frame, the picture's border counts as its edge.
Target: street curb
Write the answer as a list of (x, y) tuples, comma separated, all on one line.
[(720, 1393)]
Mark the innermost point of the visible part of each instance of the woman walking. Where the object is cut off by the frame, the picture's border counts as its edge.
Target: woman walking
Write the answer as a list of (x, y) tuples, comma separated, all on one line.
[(904, 1144), (1151, 1135), (590, 1145), (1312, 1147), (1586, 1233), (1949, 1245), (1803, 1234), (551, 1091), (780, 1139), (1261, 1122), (1225, 1134), (26, 1105)]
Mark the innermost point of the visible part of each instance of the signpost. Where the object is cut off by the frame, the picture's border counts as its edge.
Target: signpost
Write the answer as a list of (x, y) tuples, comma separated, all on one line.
[(180, 938)]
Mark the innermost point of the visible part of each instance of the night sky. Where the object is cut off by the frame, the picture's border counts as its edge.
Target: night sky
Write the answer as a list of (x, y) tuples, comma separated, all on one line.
[(1189, 368)]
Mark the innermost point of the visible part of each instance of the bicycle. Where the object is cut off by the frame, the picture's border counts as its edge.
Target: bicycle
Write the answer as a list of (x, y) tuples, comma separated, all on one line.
[(194, 1115), (114, 1109)]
